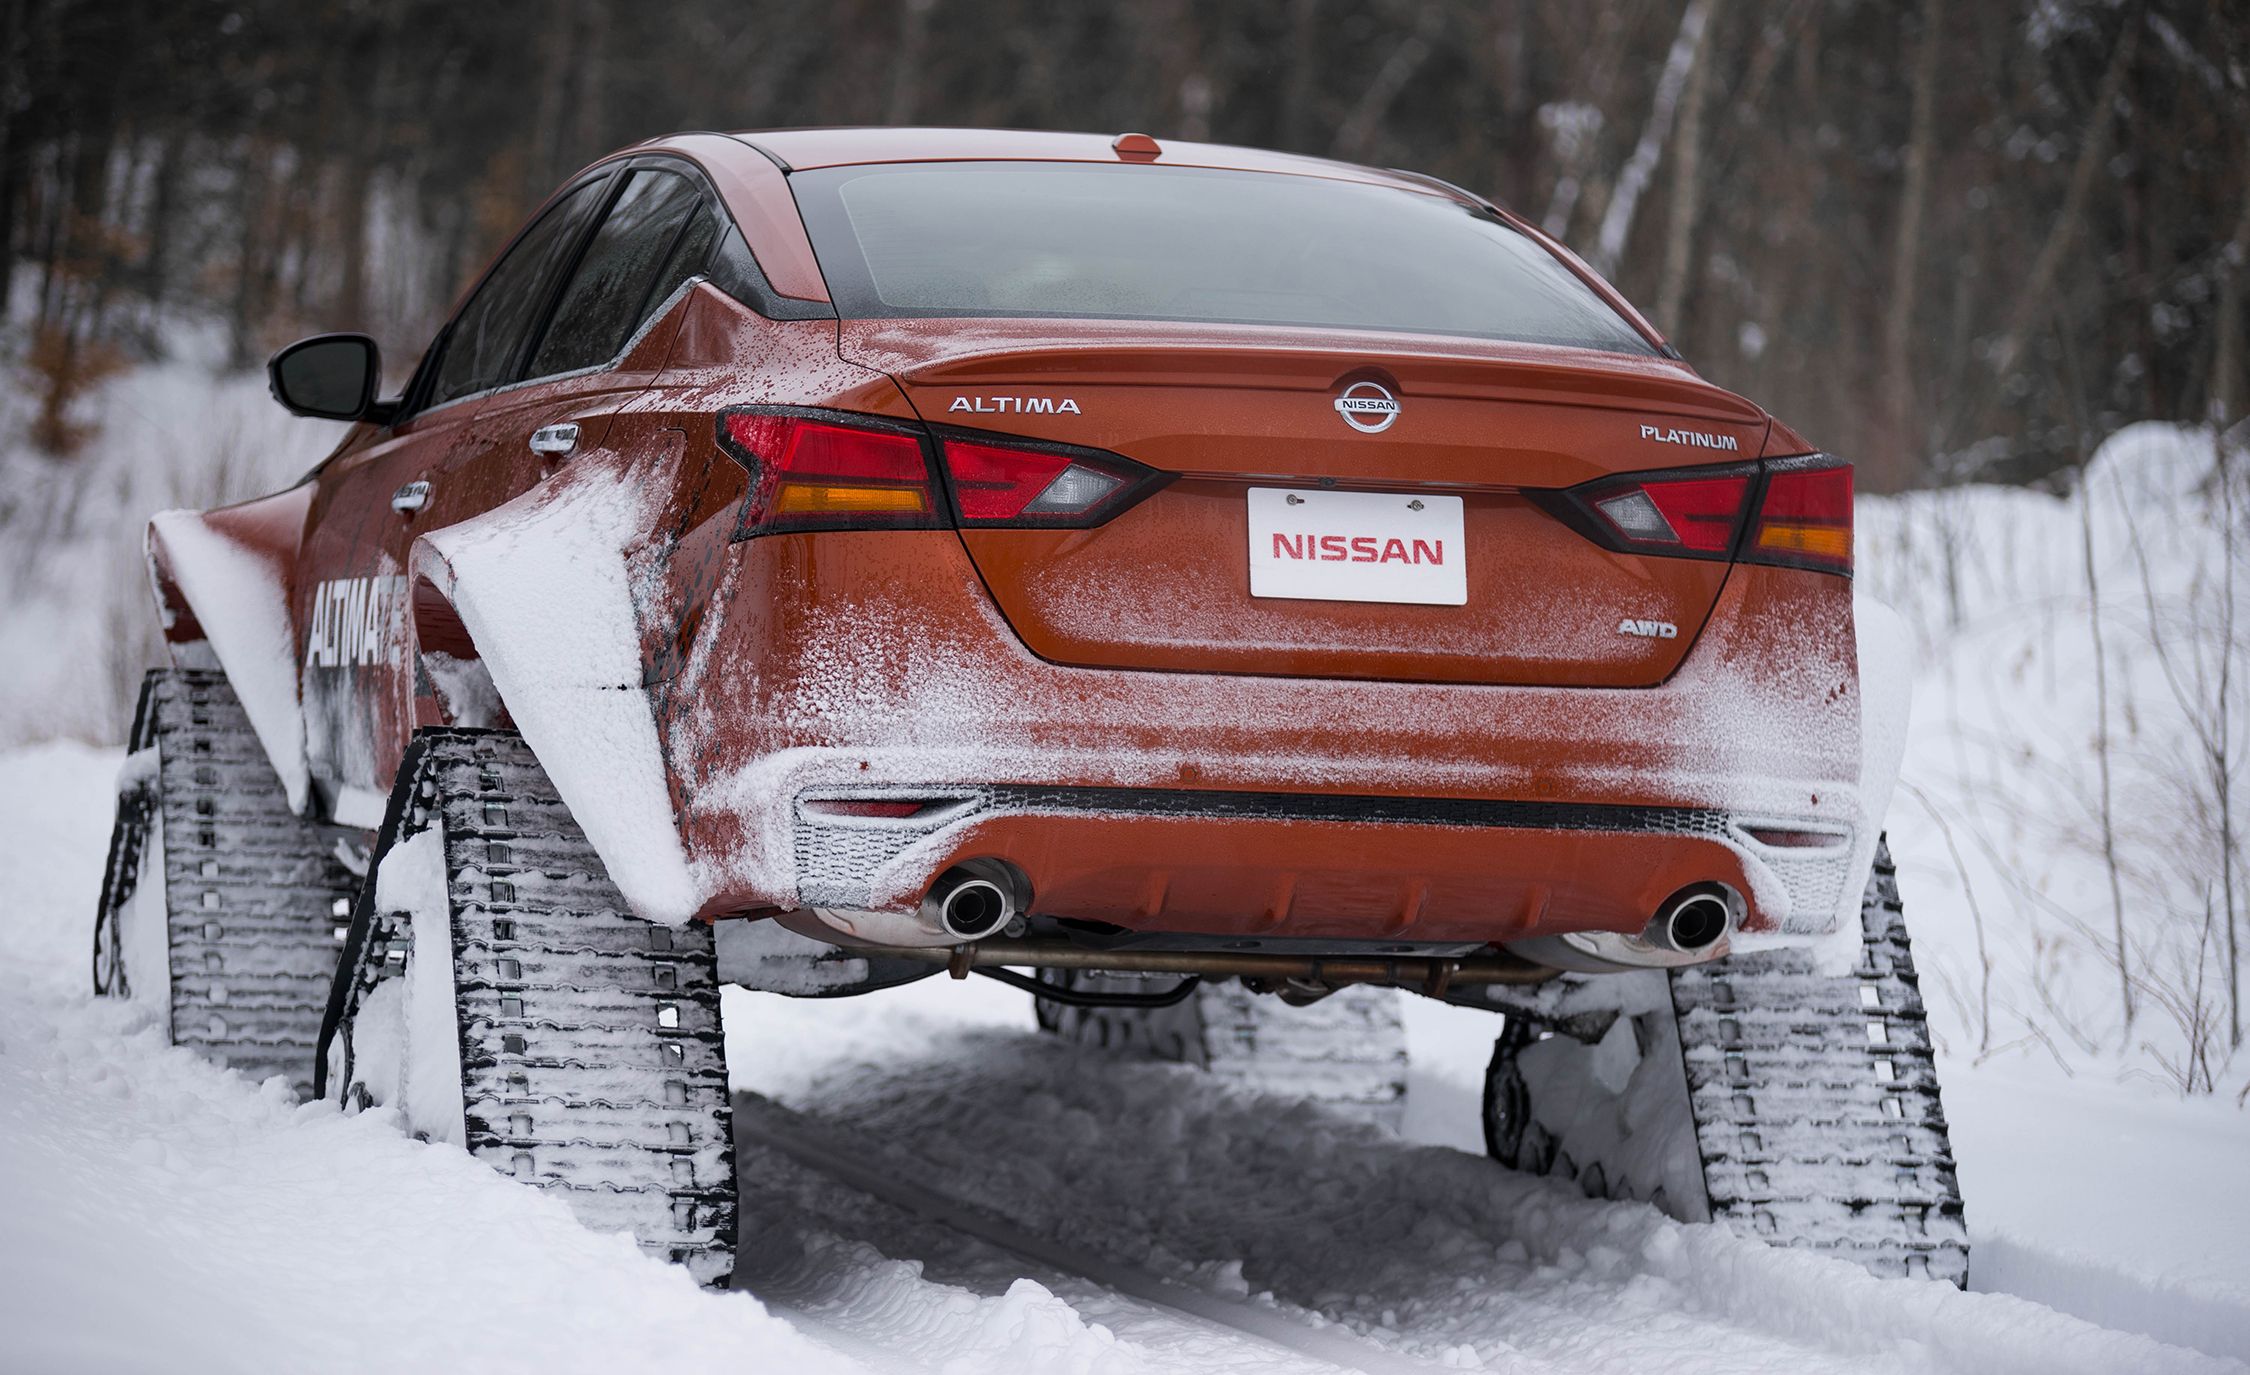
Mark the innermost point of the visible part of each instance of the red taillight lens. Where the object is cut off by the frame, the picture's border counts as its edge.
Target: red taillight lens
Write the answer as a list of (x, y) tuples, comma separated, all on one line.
[(1805, 516), (1693, 514), (812, 473), (1008, 484)]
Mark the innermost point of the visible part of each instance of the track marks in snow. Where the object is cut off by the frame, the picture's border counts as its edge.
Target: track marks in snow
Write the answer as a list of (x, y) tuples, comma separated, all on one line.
[(762, 1126), (1423, 1250)]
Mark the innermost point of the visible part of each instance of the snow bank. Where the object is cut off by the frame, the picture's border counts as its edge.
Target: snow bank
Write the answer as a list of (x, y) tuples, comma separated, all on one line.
[(2089, 1184), (1998, 831)]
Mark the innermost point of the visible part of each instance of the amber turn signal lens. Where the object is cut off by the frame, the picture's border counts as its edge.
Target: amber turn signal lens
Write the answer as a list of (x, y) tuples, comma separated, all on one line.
[(829, 499), (1817, 541), (1805, 516)]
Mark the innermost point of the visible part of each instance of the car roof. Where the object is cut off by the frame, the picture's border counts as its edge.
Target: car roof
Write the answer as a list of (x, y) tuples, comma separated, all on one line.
[(804, 149)]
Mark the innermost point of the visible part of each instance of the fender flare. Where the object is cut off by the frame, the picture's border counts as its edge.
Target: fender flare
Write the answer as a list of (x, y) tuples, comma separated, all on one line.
[(540, 591), (222, 581)]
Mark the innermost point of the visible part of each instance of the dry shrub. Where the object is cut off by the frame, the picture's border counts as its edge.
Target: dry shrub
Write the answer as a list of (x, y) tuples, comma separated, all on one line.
[(65, 368)]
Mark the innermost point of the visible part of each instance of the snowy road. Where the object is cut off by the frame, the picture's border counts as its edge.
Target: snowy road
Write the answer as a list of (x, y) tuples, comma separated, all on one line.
[(158, 1214), (808, 1182)]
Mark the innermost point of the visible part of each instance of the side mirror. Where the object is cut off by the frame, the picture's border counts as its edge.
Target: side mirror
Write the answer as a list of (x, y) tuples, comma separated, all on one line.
[(328, 377)]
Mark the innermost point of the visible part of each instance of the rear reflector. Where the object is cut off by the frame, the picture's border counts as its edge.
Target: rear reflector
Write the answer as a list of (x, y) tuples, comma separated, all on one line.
[(888, 809), (1784, 838), (812, 473)]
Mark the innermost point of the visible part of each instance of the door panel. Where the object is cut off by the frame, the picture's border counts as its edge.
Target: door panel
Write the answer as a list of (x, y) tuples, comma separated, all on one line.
[(355, 657)]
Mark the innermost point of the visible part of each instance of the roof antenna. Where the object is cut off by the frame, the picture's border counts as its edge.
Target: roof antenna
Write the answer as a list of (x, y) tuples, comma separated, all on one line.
[(1136, 148)]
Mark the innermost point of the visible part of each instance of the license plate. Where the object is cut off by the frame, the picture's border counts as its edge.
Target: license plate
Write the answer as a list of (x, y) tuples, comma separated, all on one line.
[(1357, 547)]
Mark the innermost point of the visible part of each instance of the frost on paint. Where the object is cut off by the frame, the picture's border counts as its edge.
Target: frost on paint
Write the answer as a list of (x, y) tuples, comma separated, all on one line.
[(542, 587), (966, 705), (239, 600)]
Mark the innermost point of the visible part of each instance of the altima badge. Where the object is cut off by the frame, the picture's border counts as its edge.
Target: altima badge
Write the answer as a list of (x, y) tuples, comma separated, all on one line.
[(1367, 407)]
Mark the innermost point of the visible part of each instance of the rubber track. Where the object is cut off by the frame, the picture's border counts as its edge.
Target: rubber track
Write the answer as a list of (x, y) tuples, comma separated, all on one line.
[(592, 1060), (1348, 1049), (1816, 1101), (255, 894)]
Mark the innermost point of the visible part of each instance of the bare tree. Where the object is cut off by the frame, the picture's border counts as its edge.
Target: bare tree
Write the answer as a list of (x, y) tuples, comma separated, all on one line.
[(1686, 200), (1625, 200), (1906, 244)]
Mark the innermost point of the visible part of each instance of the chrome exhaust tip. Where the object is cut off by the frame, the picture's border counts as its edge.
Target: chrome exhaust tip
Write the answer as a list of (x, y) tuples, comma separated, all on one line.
[(1693, 920), (972, 901)]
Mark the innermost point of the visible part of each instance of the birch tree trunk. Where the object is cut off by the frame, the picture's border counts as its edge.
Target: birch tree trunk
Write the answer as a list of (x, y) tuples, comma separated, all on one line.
[(1625, 199)]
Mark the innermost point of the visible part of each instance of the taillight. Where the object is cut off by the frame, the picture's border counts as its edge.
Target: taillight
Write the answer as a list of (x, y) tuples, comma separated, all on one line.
[(1004, 483), (821, 470), (1805, 516), (1798, 512), (809, 472)]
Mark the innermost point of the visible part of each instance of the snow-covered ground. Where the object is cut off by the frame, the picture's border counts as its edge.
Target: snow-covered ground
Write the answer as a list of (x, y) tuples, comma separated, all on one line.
[(2085, 1170), (157, 1213)]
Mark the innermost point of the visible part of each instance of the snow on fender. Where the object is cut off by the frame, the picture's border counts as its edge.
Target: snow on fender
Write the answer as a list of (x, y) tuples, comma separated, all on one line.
[(542, 587), (240, 599)]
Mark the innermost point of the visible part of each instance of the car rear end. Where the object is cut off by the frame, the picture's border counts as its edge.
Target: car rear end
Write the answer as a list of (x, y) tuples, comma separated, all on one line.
[(1271, 561)]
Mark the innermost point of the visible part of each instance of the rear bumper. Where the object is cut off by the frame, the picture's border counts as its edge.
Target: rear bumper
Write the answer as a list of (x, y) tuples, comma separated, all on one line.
[(1300, 866), (1240, 806)]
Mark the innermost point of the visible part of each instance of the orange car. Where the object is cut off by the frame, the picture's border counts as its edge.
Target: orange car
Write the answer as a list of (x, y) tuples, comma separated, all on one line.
[(1159, 575)]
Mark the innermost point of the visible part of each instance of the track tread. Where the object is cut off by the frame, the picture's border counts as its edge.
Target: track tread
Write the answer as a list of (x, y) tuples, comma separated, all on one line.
[(1803, 1138), (1348, 1049), (1814, 1101), (592, 1058), (253, 891)]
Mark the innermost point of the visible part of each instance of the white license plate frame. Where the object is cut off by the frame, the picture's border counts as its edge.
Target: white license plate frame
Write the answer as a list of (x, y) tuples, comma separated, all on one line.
[(1404, 548)]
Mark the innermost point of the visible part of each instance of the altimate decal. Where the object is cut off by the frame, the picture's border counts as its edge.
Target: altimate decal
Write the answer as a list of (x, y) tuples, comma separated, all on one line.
[(352, 621), (1694, 439), (1014, 405), (1358, 549)]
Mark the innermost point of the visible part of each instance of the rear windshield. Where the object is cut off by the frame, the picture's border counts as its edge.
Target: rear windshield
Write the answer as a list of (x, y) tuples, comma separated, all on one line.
[(1175, 243)]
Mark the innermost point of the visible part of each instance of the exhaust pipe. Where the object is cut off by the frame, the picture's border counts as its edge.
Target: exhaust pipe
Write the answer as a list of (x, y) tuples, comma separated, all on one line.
[(1692, 920), (972, 901)]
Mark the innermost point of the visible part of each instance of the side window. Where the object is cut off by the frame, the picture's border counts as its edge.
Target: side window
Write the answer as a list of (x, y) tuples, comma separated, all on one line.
[(691, 256), (608, 295), (488, 336)]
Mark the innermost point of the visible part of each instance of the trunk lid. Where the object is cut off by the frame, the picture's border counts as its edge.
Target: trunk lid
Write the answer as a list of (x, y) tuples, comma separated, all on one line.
[(1167, 585)]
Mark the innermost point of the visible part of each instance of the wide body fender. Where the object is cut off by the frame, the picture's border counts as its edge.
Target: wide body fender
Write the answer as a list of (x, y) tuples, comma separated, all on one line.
[(223, 582), (542, 592)]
